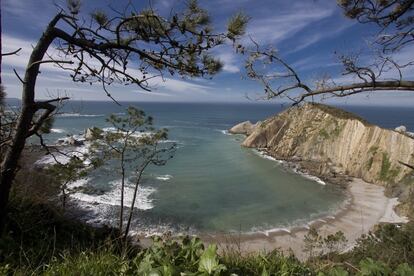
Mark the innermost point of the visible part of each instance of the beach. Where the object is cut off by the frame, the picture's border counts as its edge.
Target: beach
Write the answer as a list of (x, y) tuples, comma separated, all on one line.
[(367, 208)]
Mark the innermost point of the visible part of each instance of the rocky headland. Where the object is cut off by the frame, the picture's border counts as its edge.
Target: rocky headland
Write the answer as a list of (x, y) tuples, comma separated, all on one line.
[(340, 148), (335, 145)]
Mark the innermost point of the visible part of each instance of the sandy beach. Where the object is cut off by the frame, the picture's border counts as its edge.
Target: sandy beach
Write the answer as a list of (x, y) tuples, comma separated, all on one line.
[(368, 207)]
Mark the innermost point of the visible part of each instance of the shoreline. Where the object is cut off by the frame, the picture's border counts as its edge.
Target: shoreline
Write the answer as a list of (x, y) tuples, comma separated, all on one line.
[(365, 206), (368, 207)]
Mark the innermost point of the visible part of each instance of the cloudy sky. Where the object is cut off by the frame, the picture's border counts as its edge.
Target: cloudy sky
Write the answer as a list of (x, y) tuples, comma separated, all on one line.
[(306, 33)]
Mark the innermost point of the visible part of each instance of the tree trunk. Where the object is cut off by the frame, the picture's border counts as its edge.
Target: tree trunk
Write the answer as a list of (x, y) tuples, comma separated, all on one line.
[(121, 215), (13, 153), (134, 198)]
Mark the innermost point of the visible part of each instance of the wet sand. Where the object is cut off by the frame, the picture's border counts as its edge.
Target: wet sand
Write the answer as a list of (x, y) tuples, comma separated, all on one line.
[(368, 207)]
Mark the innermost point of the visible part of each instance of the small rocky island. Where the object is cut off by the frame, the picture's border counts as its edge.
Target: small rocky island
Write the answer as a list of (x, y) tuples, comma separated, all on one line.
[(334, 144)]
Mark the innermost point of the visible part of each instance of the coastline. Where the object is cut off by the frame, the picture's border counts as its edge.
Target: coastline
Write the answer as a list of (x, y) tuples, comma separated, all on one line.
[(368, 207), (365, 207)]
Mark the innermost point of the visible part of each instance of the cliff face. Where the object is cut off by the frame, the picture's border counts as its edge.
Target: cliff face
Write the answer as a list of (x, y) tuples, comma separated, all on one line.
[(335, 142)]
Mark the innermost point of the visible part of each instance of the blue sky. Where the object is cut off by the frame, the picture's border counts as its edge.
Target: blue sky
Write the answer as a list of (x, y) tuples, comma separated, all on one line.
[(306, 33)]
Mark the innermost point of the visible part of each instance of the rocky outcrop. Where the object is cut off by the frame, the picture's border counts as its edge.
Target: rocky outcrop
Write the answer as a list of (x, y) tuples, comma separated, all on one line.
[(93, 133), (245, 128), (330, 141)]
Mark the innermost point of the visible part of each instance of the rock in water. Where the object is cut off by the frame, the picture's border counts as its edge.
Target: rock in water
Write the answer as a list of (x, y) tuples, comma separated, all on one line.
[(93, 133), (245, 128), (401, 129), (73, 142)]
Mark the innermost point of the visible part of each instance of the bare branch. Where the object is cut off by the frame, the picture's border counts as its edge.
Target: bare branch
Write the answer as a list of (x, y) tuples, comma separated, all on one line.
[(11, 53)]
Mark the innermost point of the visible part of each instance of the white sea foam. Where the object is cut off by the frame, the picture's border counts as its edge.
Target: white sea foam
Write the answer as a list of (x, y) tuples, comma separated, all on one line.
[(64, 156), (79, 115), (113, 197), (136, 134), (266, 156), (310, 177), (314, 178), (306, 175), (57, 130), (164, 177), (224, 131)]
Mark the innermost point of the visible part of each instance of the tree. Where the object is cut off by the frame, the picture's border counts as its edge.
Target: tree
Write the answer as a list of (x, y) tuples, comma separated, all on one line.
[(64, 173), (104, 49), (136, 144), (396, 23)]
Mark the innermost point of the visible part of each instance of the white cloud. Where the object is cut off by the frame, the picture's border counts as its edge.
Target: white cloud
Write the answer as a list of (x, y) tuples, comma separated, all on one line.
[(285, 24)]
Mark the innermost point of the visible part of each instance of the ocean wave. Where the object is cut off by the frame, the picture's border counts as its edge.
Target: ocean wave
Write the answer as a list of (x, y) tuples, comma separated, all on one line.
[(57, 130), (113, 197), (64, 156), (268, 157), (306, 175), (136, 134), (224, 131), (79, 115), (164, 177), (310, 177)]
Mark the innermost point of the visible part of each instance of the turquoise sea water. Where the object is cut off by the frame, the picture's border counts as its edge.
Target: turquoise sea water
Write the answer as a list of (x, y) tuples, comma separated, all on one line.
[(212, 184)]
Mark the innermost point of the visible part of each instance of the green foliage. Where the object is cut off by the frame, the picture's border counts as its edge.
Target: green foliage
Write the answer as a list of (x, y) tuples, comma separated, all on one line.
[(335, 271), (323, 133), (74, 6), (373, 149), (386, 173), (37, 233), (213, 66), (181, 256), (65, 173), (339, 113), (370, 267), (404, 270), (385, 167), (389, 243), (209, 263), (100, 17), (273, 263), (47, 125), (312, 242), (237, 25), (334, 243)]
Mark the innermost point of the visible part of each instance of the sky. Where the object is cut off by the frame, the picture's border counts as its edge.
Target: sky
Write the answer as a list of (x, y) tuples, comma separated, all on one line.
[(308, 34)]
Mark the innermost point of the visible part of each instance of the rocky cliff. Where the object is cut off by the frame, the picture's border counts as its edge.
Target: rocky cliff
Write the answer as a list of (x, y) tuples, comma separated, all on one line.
[(329, 142)]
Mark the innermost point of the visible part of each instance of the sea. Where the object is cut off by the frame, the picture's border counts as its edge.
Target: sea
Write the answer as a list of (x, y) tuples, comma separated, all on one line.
[(212, 185)]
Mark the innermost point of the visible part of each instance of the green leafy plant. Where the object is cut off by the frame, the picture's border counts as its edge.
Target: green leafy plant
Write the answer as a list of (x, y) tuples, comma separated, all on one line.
[(209, 263)]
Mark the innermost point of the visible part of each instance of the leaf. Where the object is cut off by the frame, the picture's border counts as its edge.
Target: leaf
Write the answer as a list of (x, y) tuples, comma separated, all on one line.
[(337, 271), (145, 266), (264, 272), (209, 262), (371, 267), (404, 270)]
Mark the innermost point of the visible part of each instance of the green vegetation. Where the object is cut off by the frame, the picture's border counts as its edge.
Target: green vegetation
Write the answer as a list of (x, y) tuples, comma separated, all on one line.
[(373, 149), (323, 133), (330, 131), (338, 129), (369, 163), (339, 113), (386, 173), (41, 239)]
